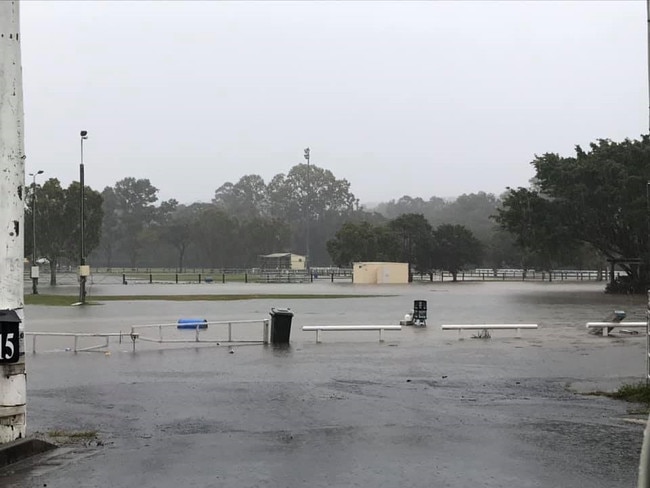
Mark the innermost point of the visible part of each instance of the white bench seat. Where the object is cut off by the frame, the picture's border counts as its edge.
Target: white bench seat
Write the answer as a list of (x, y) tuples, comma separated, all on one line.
[(486, 327), (380, 328), (607, 327)]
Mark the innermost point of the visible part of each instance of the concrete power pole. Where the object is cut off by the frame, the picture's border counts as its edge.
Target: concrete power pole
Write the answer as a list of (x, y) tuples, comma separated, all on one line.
[(13, 381)]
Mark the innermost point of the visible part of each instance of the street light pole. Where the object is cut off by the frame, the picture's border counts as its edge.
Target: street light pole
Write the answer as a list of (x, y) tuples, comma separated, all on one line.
[(34, 270), (647, 4), (308, 217), (82, 253)]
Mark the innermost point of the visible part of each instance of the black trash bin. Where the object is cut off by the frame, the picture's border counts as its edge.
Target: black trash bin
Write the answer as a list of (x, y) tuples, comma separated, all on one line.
[(280, 325)]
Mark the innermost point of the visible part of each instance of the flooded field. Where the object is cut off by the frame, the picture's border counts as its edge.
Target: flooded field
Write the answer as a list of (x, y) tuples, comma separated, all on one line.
[(560, 309), (421, 409)]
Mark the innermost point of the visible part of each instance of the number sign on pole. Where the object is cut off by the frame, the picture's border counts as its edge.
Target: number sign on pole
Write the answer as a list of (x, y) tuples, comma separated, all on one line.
[(9, 337)]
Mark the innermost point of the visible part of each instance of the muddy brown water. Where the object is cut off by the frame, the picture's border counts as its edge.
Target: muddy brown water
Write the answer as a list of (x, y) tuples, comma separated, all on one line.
[(421, 409)]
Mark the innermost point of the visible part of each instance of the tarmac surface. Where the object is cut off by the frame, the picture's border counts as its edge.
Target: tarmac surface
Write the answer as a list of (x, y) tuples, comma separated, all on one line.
[(422, 409)]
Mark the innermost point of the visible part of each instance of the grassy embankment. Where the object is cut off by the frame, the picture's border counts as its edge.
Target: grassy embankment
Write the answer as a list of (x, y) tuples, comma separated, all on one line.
[(638, 393)]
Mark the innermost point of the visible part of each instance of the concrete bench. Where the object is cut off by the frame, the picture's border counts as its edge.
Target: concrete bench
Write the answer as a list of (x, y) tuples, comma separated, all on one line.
[(607, 327), (486, 328), (381, 328)]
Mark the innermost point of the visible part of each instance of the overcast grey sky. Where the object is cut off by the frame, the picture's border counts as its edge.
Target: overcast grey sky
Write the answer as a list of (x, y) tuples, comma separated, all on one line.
[(418, 98)]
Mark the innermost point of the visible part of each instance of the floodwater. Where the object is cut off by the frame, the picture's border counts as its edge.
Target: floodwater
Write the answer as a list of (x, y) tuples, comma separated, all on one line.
[(422, 409)]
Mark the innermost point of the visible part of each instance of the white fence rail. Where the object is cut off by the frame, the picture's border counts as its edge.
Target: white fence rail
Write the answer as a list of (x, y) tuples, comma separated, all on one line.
[(164, 334), (201, 329), (607, 327), (381, 328), (485, 328), (82, 335)]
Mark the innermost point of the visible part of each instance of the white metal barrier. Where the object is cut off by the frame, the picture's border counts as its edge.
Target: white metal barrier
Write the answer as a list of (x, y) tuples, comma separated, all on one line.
[(138, 330), (485, 328), (78, 335), (608, 326), (200, 328), (381, 328)]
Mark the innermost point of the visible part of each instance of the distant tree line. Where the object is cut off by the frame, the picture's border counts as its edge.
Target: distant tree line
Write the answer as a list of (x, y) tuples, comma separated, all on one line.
[(411, 239), (577, 212)]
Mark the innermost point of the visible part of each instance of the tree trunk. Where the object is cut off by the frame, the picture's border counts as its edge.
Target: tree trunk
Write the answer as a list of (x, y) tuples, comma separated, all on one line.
[(109, 257), (53, 264), (181, 255)]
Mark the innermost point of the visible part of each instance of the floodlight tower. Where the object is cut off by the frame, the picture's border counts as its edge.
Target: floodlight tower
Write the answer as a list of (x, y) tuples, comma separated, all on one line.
[(83, 269), (308, 216)]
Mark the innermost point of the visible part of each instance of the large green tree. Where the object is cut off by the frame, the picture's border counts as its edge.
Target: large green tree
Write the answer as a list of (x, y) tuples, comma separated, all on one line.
[(415, 235), (539, 228), (174, 228), (214, 234), (245, 199), (455, 248), (130, 209), (597, 197), (58, 219), (363, 242), (310, 196), (258, 236), (110, 226)]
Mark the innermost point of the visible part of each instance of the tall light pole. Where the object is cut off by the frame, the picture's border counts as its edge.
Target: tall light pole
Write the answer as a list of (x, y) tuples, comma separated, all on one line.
[(82, 252), (35, 270), (308, 215)]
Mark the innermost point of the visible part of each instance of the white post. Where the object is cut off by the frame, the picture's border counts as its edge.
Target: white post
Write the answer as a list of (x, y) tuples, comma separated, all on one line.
[(265, 331), (13, 382)]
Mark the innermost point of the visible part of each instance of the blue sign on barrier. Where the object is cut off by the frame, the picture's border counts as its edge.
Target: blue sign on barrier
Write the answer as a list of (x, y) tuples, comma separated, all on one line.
[(192, 324)]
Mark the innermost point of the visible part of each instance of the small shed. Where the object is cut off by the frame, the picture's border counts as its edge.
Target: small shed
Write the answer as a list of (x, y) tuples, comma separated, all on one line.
[(379, 272), (282, 260)]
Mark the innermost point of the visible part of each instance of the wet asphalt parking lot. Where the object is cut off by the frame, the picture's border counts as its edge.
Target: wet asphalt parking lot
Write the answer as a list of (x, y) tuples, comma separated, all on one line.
[(422, 409)]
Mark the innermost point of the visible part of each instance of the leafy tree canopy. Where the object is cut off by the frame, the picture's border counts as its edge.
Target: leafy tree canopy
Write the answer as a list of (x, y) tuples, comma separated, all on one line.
[(597, 197), (456, 247), (58, 222), (362, 242)]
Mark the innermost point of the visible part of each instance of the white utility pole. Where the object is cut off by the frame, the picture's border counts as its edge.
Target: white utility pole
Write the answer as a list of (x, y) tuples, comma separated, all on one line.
[(13, 382)]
